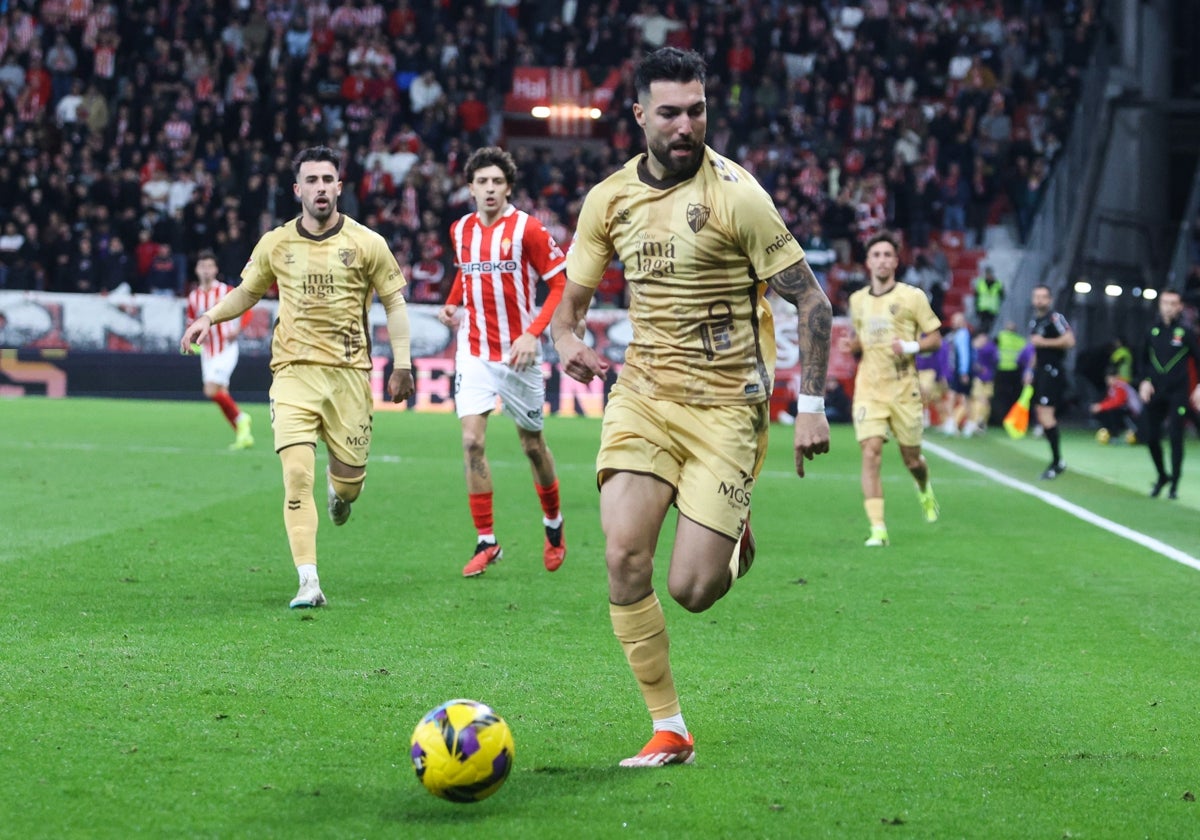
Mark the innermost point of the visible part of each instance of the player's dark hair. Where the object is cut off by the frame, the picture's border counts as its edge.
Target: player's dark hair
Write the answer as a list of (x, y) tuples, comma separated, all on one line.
[(1049, 291), (883, 237), (669, 64), (206, 254), (321, 154), (491, 156)]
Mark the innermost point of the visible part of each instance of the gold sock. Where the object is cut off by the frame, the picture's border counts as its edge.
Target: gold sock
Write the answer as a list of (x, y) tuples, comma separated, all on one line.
[(874, 509), (299, 512), (642, 630)]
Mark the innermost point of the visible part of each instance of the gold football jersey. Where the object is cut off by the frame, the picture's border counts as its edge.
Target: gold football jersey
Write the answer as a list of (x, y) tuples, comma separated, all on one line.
[(325, 290), (903, 312), (695, 254)]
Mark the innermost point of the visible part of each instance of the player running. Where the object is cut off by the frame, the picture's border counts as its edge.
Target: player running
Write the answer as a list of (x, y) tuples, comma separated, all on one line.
[(501, 253), (219, 352)]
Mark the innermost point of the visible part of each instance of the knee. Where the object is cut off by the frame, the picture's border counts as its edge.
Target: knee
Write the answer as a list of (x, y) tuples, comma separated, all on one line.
[(629, 570), (473, 444), (696, 594), (534, 447), (297, 471)]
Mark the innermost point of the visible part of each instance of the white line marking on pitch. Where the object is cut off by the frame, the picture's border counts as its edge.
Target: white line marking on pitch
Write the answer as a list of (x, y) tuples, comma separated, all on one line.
[(1144, 540)]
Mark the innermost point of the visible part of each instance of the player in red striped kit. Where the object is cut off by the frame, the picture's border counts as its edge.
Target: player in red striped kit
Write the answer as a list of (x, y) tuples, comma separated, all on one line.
[(220, 354), (501, 253)]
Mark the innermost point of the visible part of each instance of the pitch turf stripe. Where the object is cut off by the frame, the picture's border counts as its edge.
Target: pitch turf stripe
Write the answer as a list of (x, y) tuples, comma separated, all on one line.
[(1144, 540)]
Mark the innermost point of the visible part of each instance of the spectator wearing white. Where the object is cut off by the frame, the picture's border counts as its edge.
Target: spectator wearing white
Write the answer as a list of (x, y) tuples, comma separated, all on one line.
[(156, 190), (66, 112), (654, 26), (424, 91), (181, 191), (396, 161), (11, 241)]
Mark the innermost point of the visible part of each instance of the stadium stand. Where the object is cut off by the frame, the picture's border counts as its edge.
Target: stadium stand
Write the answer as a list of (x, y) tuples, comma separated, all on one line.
[(137, 133)]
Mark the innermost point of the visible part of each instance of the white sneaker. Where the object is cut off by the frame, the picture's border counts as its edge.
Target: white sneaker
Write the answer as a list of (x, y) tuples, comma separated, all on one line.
[(970, 428), (950, 428), (879, 536), (339, 509), (310, 595)]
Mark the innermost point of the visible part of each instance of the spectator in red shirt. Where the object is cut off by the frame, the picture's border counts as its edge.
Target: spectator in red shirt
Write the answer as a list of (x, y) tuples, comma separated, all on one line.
[(740, 57), (144, 254), (473, 116)]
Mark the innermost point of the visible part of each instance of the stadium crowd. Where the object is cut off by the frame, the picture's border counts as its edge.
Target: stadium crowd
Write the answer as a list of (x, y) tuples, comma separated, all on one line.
[(136, 134)]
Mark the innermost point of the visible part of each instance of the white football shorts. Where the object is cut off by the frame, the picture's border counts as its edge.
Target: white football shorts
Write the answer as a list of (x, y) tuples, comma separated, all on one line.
[(219, 368), (477, 384)]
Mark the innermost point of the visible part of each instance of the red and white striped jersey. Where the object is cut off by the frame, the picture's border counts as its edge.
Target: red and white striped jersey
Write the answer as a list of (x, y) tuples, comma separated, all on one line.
[(498, 269), (200, 301)]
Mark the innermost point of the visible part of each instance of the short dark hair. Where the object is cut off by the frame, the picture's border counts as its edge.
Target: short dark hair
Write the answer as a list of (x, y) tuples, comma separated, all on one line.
[(491, 156), (316, 153), (206, 254), (669, 64), (883, 237)]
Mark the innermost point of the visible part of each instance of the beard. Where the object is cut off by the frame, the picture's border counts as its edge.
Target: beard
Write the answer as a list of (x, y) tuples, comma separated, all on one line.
[(675, 166), (322, 214)]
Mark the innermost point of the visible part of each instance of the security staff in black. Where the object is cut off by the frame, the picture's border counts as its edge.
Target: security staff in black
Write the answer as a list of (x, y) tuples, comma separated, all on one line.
[(1051, 337), (1164, 387)]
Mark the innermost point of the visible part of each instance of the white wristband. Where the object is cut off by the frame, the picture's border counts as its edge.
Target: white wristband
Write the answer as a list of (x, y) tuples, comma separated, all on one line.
[(910, 348), (806, 404)]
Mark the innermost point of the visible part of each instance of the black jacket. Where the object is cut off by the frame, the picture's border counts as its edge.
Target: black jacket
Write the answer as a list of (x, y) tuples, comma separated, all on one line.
[(1164, 358)]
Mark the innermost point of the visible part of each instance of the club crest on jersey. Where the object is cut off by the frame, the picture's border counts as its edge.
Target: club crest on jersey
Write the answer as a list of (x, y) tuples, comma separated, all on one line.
[(697, 216), (505, 247), (347, 255)]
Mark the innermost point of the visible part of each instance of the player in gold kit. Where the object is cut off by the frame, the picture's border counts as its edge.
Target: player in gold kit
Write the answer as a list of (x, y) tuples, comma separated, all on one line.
[(328, 267), (686, 423), (893, 322)]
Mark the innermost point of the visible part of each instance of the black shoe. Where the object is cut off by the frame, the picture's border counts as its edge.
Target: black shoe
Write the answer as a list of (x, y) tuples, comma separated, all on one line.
[(1054, 471), (1174, 494), (1159, 484)]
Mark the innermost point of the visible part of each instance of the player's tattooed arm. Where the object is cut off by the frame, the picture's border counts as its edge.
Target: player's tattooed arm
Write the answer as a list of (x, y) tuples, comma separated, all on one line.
[(798, 286)]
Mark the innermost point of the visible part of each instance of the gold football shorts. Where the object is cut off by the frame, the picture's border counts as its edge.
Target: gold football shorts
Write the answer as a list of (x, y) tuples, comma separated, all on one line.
[(311, 402), (899, 418), (711, 455)]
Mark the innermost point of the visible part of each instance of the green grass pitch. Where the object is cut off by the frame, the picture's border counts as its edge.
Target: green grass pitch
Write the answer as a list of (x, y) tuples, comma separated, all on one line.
[(1012, 671)]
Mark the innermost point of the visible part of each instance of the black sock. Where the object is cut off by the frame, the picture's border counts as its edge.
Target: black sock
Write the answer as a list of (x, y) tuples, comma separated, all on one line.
[(1052, 436)]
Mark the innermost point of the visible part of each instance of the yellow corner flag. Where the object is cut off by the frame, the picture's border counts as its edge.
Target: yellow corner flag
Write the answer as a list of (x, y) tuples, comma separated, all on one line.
[(1016, 422)]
